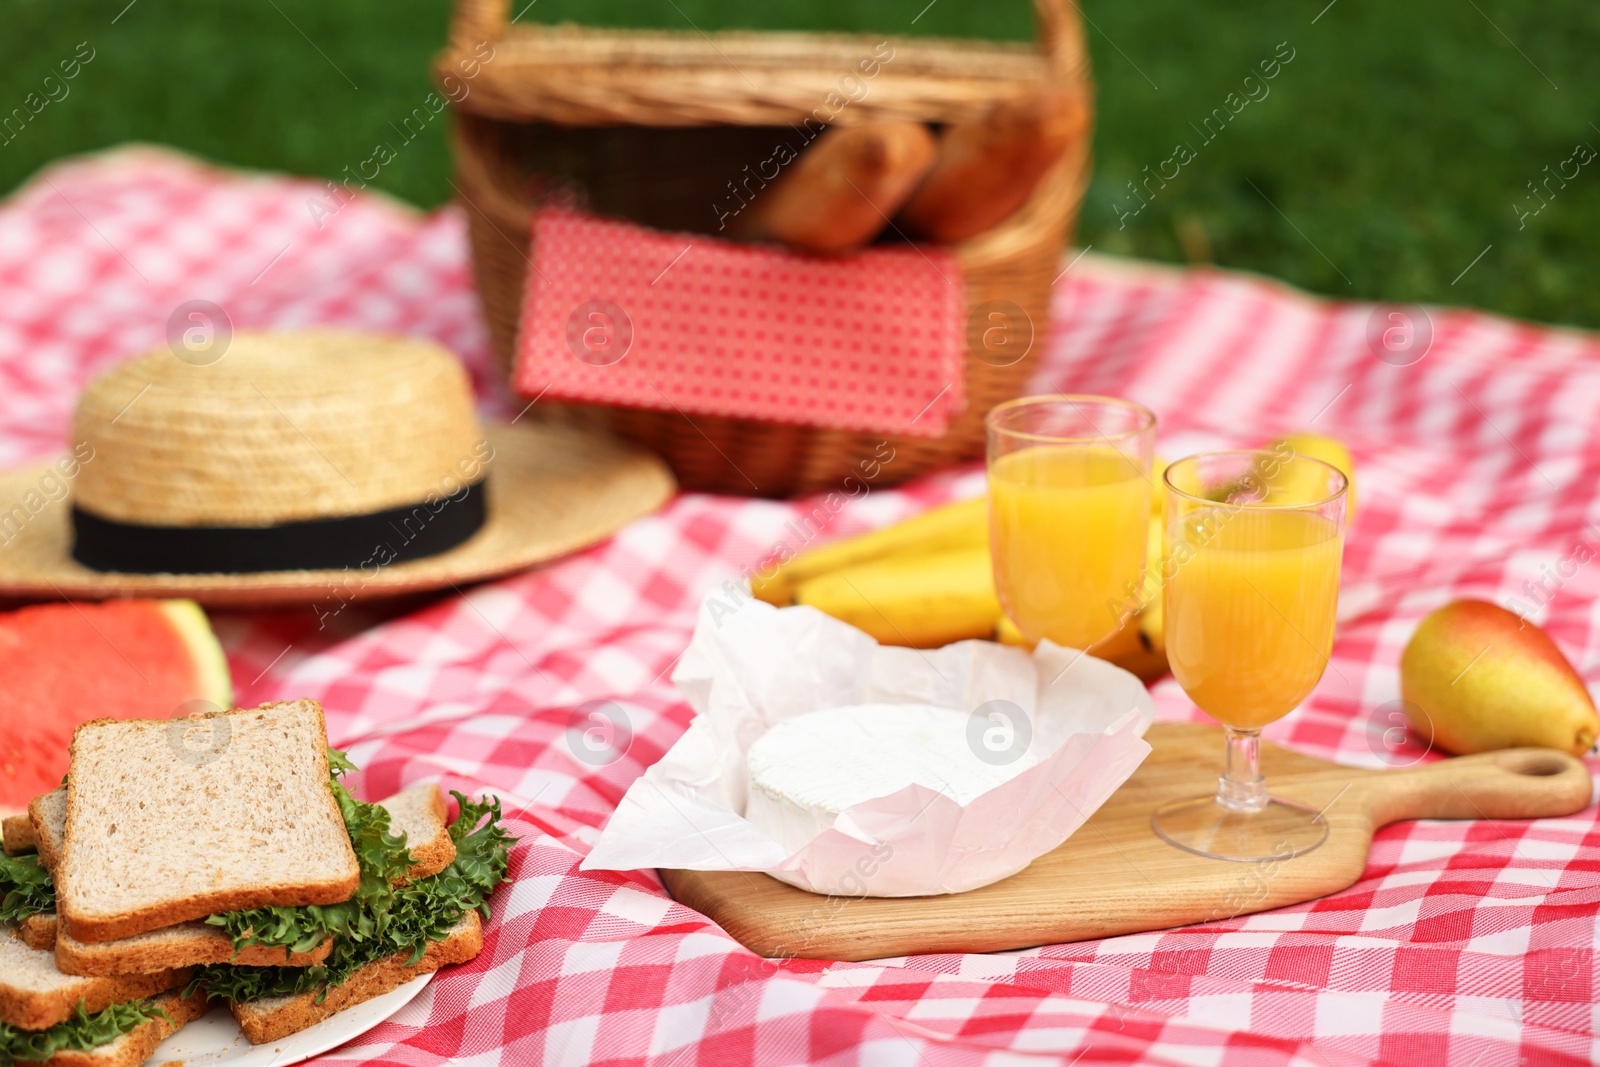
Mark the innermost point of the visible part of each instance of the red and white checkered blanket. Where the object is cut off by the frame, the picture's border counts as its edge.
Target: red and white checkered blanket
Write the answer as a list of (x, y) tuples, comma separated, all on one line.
[(1470, 943)]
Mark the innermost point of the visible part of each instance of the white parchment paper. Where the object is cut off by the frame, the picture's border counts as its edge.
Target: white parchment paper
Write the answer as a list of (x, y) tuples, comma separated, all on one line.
[(1081, 718)]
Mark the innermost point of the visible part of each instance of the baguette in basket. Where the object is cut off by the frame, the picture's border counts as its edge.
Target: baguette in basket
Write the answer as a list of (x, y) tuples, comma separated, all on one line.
[(988, 167), (840, 193)]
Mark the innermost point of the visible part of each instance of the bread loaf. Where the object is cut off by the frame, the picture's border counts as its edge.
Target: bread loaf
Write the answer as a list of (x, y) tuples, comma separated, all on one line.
[(840, 192), (987, 168)]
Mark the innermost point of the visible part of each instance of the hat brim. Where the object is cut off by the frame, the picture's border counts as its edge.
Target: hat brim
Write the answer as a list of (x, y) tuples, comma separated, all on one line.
[(552, 490)]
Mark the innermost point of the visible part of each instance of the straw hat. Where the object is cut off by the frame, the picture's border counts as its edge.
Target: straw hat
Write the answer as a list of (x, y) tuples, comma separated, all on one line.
[(304, 467)]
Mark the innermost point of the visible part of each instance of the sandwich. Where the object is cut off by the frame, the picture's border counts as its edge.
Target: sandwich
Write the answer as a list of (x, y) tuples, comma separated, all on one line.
[(392, 931), (419, 814), (140, 780), (232, 817), (67, 1021), (64, 1020)]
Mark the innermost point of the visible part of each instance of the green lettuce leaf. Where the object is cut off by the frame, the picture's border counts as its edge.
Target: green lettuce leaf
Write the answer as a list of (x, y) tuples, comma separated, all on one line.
[(81, 1032), (25, 888), (382, 857), (402, 921), (339, 764)]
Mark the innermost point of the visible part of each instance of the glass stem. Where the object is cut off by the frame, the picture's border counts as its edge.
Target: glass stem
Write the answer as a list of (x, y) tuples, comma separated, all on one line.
[(1241, 787)]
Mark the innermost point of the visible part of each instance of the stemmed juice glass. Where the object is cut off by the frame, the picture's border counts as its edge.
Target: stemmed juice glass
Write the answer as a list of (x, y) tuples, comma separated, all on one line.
[(1251, 585), (1069, 513)]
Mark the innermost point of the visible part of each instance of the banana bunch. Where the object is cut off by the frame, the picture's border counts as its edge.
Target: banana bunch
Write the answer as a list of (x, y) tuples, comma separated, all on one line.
[(927, 581), (923, 582)]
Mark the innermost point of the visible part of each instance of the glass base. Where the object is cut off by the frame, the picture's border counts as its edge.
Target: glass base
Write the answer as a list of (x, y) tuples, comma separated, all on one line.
[(1281, 830)]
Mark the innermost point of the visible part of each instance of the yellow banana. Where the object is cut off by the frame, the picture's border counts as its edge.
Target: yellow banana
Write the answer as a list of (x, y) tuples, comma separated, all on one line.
[(1140, 646), (1139, 657), (928, 581), (1296, 483), (1006, 632), (964, 524), (1129, 648), (1152, 617), (924, 600)]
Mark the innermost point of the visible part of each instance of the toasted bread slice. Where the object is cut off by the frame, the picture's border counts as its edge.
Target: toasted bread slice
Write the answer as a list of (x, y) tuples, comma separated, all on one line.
[(16, 833), (274, 1018), (34, 995), (422, 815), (172, 820), (47, 818), (39, 931), (138, 1044), (185, 945)]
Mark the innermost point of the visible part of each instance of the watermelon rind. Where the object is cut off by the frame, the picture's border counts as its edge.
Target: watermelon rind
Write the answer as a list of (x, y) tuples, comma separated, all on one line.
[(205, 651)]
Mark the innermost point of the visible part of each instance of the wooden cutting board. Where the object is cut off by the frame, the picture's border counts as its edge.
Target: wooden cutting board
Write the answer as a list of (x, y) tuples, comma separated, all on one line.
[(1114, 876)]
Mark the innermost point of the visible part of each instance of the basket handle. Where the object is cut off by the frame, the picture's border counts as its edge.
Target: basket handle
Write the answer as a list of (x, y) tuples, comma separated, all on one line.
[(479, 20), (1059, 31), (1060, 35)]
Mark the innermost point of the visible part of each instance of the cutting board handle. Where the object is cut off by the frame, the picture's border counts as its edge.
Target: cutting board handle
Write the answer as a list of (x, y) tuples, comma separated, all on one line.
[(1513, 783)]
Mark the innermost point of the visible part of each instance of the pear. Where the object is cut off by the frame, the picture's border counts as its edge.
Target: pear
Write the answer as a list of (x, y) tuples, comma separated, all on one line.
[(1477, 677)]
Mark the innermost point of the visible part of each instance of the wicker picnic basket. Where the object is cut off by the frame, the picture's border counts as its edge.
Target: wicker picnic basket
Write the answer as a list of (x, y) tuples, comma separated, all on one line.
[(650, 125)]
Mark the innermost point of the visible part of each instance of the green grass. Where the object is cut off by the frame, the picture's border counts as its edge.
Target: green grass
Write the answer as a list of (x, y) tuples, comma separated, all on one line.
[(1392, 150)]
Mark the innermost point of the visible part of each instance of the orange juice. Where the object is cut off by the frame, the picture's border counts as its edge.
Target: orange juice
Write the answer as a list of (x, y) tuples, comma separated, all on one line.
[(1067, 529), (1249, 619)]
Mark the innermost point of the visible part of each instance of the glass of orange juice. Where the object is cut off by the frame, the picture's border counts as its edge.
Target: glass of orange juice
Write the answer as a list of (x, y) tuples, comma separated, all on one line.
[(1251, 583), (1069, 513)]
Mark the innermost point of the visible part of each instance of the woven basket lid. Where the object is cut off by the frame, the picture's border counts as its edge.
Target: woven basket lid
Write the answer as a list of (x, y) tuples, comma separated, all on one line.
[(283, 427)]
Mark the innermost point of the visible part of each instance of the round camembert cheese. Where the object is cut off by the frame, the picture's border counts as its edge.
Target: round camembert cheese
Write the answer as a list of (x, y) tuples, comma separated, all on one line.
[(806, 770)]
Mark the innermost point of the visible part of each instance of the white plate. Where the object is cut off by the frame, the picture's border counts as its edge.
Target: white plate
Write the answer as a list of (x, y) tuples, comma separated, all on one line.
[(215, 1039)]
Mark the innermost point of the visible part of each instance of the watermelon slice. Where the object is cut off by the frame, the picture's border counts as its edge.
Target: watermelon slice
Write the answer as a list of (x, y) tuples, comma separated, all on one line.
[(64, 664)]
